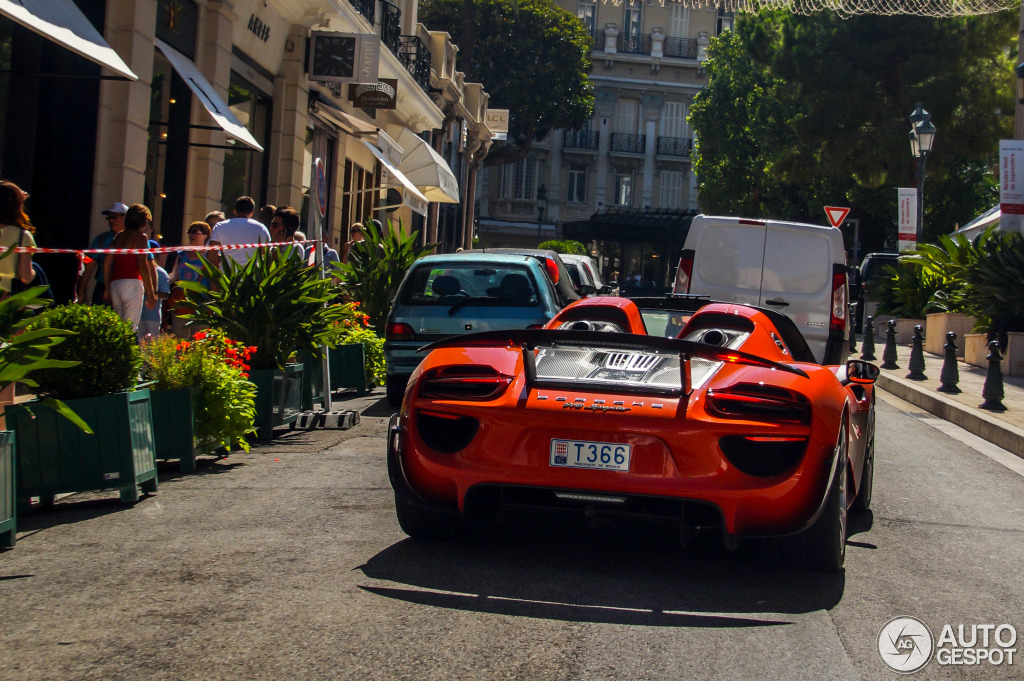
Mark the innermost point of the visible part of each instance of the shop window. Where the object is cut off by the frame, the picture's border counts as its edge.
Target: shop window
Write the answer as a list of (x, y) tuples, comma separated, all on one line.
[(245, 169)]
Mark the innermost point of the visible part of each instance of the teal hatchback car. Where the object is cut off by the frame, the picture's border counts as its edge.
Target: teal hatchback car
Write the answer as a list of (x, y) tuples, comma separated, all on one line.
[(447, 295)]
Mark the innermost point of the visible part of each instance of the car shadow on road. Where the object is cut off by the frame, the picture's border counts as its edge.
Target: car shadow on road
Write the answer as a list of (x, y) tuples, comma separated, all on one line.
[(618, 575)]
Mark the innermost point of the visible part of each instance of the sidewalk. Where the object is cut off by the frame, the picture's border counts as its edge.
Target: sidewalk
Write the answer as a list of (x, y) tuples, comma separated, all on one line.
[(1004, 429)]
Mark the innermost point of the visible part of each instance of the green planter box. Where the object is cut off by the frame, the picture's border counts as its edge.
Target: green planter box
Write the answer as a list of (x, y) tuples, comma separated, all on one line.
[(278, 398), (173, 429), (54, 456), (8, 524), (348, 367), (312, 380)]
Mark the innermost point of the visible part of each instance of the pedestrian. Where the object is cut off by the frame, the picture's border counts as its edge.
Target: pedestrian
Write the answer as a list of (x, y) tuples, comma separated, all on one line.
[(94, 267), (283, 227), (131, 277), (241, 229), (15, 230), (154, 242), (267, 215), (355, 236), (214, 217), (151, 320), (198, 235)]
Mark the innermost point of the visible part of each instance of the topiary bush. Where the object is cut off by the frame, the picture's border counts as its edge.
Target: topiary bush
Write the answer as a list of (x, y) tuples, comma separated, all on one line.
[(105, 345)]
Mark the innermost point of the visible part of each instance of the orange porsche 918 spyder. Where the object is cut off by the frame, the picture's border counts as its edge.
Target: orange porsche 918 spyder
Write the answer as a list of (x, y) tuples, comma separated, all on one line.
[(710, 414)]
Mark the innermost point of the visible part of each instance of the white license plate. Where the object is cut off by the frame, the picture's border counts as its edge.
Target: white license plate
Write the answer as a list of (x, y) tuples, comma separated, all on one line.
[(610, 456)]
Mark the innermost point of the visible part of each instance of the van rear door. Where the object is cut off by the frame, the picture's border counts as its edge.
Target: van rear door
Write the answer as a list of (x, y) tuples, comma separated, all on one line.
[(797, 279), (729, 256)]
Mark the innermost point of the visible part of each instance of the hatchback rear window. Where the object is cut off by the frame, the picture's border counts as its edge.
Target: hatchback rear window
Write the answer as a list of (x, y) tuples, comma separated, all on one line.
[(476, 284)]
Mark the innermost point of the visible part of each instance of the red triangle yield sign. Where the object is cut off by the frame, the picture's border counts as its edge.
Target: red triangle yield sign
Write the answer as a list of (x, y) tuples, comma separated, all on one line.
[(836, 214)]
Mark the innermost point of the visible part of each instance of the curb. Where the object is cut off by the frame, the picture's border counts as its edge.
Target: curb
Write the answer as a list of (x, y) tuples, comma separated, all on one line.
[(984, 426)]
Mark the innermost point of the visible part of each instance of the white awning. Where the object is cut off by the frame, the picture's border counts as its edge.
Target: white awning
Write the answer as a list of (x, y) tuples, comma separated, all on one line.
[(411, 196), (427, 169), (213, 103), (322, 104), (62, 22)]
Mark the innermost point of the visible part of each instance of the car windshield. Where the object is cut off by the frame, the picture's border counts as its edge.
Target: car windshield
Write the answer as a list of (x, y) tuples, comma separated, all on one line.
[(465, 284)]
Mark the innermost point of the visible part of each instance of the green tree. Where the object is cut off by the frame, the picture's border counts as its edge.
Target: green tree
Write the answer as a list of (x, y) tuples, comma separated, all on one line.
[(567, 246), (532, 57), (814, 110)]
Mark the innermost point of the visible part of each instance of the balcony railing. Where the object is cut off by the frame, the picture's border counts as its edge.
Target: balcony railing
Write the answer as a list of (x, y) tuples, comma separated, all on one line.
[(413, 54), (366, 8), (390, 26), (630, 144), (683, 48), (627, 44), (674, 146), (581, 139)]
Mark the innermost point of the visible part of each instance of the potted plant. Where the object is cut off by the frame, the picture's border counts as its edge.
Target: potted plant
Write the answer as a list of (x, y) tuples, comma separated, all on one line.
[(21, 354), (356, 362), (202, 400), (53, 456), (278, 305)]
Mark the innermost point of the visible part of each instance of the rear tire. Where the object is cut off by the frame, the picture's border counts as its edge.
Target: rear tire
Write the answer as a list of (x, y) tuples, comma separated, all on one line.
[(822, 546), (395, 390), (422, 523), (867, 477)]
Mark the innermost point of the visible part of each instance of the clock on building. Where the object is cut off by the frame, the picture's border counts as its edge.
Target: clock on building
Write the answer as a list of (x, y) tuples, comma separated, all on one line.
[(332, 56)]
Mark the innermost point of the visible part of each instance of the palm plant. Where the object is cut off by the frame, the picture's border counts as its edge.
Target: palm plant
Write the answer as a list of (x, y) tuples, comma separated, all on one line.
[(376, 267), (25, 351), (274, 302)]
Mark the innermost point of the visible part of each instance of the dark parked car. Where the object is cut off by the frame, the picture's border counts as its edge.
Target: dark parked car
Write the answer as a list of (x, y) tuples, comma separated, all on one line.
[(872, 268)]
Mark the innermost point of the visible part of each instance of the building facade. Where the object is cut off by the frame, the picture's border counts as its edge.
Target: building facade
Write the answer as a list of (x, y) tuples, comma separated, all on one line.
[(632, 159), (184, 105)]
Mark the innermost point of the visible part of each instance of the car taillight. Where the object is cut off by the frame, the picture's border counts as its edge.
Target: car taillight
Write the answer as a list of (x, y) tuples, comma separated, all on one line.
[(552, 268), (398, 331), (463, 382), (684, 272), (757, 402), (837, 323)]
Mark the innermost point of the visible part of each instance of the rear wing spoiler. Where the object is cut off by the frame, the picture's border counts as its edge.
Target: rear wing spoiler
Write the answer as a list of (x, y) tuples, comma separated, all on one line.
[(529, 340)]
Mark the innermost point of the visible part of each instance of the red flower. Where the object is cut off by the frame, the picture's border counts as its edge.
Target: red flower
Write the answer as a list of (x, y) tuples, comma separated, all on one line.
[(199, 335)]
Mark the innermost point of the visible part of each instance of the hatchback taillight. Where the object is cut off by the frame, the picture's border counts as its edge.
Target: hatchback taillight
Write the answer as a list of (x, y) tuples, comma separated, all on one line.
[(757, 402), (837, 322), (552, 268), (398, 331), (463, 382), (684, 272)]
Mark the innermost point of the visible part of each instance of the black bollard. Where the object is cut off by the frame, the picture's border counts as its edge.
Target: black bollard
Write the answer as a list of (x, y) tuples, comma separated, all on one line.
[(867, 346), (916, 364), (853, 331), (992, 391), (950, 374), (889, 353)]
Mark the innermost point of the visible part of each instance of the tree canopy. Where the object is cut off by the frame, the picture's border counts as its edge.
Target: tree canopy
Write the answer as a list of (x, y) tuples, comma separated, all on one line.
[(806, 111), (532, 57)]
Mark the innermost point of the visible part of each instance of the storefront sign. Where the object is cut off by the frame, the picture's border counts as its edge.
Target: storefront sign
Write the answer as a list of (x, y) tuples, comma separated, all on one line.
[(258, 28), (176, 22), (262, 35), (1011, 185), (497, 122), (380, 95), (906, 200)]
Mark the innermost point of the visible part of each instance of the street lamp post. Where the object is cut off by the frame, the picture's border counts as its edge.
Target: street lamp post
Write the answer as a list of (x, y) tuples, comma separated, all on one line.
[(922, 137)]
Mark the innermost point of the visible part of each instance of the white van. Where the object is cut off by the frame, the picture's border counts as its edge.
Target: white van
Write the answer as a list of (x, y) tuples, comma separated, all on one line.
[(794, 268)]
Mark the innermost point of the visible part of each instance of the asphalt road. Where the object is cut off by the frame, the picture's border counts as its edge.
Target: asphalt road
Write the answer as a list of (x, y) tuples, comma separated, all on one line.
[(287, 563)]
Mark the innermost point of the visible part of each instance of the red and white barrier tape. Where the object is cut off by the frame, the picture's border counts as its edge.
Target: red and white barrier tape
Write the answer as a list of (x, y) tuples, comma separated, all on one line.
[(161, 249)]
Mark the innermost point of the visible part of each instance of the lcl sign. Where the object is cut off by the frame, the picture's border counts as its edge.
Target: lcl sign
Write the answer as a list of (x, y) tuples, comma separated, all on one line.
[(497, 123)]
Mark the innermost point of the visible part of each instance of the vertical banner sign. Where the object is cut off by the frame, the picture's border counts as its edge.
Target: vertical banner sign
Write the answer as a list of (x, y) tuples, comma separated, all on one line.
[(1011, 185), (906, 201)]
